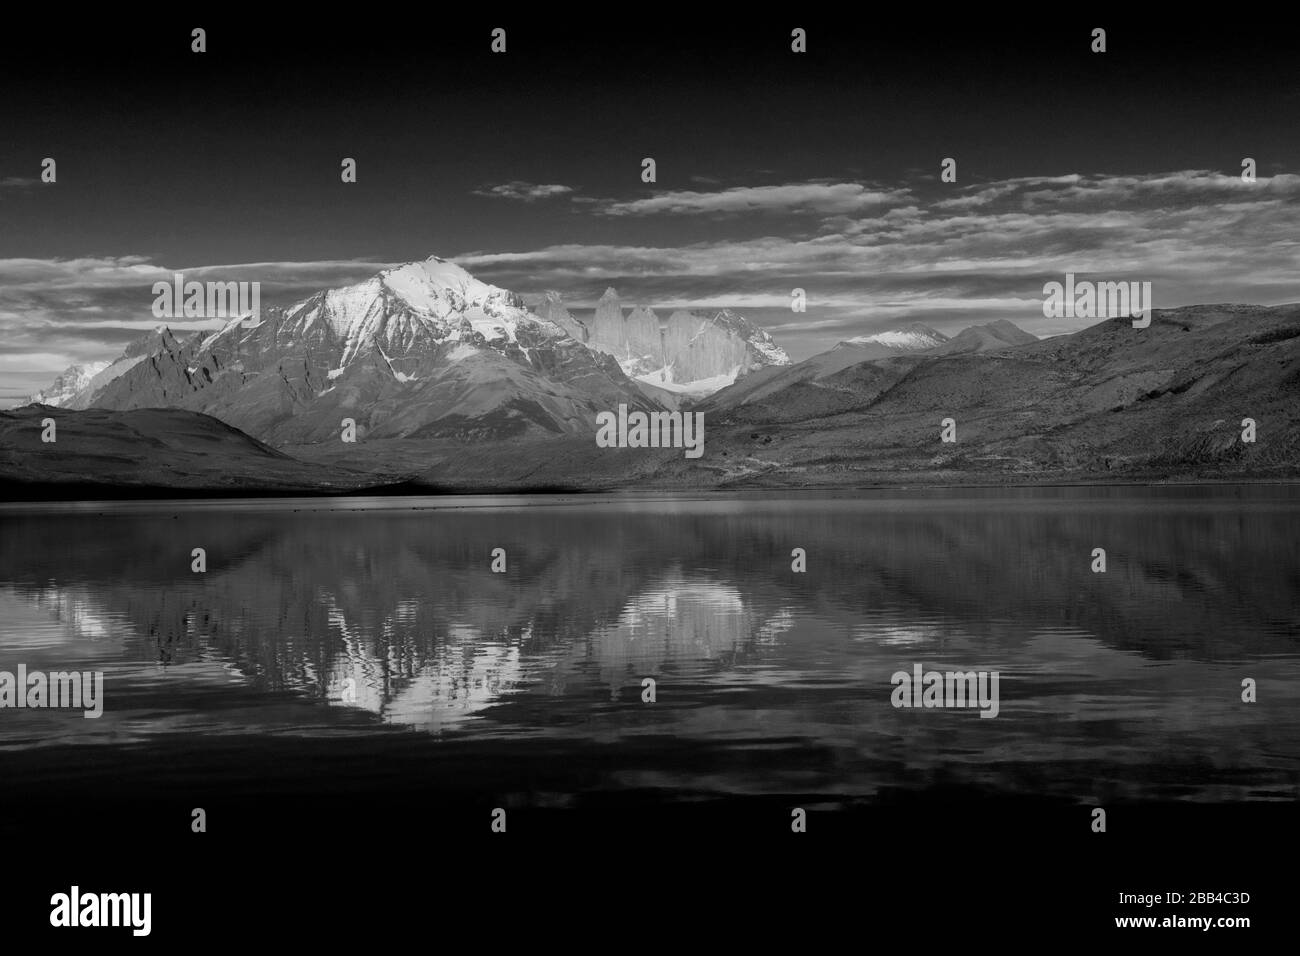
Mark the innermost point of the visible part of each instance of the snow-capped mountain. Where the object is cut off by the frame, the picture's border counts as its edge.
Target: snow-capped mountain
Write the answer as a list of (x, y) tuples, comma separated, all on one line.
[(403, 313), (913, 338), (423, 349), (691, 352), (73, 380)]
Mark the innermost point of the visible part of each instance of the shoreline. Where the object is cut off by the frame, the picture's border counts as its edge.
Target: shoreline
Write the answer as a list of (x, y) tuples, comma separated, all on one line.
[(90, 494)]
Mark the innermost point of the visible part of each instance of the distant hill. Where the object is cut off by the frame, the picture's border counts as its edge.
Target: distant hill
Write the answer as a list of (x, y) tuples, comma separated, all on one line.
[(100, 451), (911, 339), (981, 338), (1108, 402)]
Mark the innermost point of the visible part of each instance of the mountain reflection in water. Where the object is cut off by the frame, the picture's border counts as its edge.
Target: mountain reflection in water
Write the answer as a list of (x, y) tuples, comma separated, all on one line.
[(354, 618)]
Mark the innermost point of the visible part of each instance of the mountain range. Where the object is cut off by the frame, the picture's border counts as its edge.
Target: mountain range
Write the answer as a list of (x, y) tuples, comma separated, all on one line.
[(423, 350), (455, 384)]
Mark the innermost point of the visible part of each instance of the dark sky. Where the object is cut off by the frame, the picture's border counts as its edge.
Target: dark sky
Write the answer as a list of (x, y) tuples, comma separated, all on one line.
[(775, 170)]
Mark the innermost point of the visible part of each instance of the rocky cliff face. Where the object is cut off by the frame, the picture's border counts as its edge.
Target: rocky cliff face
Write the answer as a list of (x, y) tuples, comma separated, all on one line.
[(696, 351), (704, 344), (552, 309), (160, 339)]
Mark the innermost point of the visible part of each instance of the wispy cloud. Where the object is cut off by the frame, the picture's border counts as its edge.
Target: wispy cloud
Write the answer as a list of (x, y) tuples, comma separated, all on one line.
[(814, 197), (523, 192), (1098, 190)]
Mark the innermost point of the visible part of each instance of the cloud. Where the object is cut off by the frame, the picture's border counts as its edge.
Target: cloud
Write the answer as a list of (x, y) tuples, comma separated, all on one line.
[(868, 259), (522, 191), (950, 261), (814, 197), (98, 273), (1102, 190)]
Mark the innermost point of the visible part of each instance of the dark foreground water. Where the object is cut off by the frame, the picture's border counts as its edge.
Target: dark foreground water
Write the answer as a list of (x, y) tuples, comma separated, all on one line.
[(349, 691), (374, 634)]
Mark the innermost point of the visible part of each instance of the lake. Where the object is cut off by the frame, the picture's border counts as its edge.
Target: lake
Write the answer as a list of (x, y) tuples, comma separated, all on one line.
[(362, 647)]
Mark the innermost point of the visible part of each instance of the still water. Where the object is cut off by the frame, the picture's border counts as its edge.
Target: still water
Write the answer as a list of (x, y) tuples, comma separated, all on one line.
[(377, 628)]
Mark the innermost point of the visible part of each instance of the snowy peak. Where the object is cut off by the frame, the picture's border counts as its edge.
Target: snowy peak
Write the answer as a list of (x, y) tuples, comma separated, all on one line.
[(913, 338), (68, 384), (412, 310), (427, 286)]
